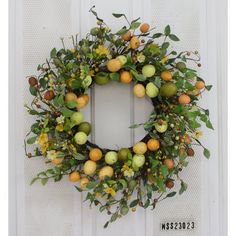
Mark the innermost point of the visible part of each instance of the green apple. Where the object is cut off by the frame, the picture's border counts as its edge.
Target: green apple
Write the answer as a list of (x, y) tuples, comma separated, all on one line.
[(122, 59), (101, 78), (138, 161), (161, 126), (152, 90), (85, 127), (111, 157), (132, 184), (123, 154), (77, 118), (168, 89), (148, 70), (81, 138)]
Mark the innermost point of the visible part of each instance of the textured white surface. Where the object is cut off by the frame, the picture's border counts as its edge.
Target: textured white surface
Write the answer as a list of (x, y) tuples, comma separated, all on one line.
[(57, 209)]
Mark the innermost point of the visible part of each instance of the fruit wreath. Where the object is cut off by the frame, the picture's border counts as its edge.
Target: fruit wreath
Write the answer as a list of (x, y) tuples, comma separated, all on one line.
[(117, 181)]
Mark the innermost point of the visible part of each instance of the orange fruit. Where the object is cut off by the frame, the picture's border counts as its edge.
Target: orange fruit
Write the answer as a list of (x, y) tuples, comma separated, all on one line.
[(95, 154), (139, 90), (70, 97), (140, 148), (134, 42), (153, 144), (166, 75), (186, 139), (144, 27), (169, 163), (74, 176), (184, 99), (90, 167), (83, 182), (114, 65), (32, 81), (57, 161), (126, 36), (126, 77), (82, 101), (105, 171), (200, 84)]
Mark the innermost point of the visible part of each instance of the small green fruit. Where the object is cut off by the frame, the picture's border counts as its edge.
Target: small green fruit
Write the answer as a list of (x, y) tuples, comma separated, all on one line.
[(152, 90), (81, 138), (101, 78), (181, 66), (123, 154), (138, 161), (77, 118), (85, 127), (132, 184), (161, 126), (111, 157), (148, 70), (122, 59), (168, 89), (124, 210), (94, 31)]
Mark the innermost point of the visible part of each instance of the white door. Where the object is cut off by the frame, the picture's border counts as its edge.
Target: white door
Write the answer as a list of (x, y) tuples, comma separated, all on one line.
[(57, 209)]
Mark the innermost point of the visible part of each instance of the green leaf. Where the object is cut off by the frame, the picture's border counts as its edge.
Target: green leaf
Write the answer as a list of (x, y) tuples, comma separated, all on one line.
[(33, 180), (167, 30), (67, 112), (206, 153), (124, 183), (135, 25), (33, 90), (157, 81), (58, 100), (114, 76), (114, 217), (134, 126), (79, 156), (157, 35), (164, 170), (165, 45), (209, 124), (137, 76), (92, 184), (105, 226), (44, 181), (79, 189), (76, 84), (53, 53), (208, 87), (183, 188), (31, 140), (172, 194), (173, 37), (134, 203), (71, 104), (117, 15), (122, 31)]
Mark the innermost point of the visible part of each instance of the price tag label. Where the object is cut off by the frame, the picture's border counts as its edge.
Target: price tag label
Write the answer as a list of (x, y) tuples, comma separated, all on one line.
[(178, 225)]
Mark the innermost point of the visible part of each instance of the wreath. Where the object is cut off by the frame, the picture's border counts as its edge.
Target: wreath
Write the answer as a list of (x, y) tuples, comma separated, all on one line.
[(145, 173)]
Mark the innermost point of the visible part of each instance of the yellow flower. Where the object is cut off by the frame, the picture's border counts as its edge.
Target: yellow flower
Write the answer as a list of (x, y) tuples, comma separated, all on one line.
[(140, 57), (98, 195), (197, 134), (111, 191), (102, 50), (91, 72), (128, 172), (42, 139), (60, 127), (164, 60)]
